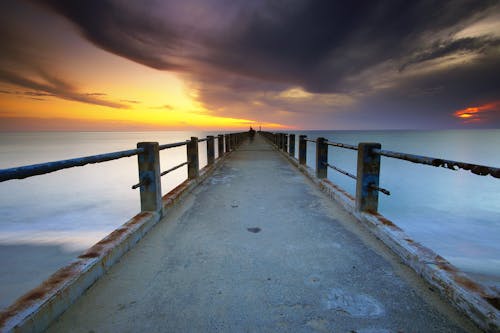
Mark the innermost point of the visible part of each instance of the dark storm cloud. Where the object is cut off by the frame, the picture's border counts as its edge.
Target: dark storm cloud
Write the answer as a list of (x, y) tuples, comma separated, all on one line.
[(312, 43), (240, 51), (420, 102), (122, 29), (26, 93), (444, 48), (24, 64), (323, 42)]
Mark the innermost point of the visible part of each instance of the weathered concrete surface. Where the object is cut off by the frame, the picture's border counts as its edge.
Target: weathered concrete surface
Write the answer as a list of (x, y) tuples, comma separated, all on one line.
[(258, 248)]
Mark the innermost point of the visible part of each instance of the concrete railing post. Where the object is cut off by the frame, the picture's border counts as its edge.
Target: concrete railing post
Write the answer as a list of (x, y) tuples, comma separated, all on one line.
[(220, 144), (285, 143), (210, 150), (367, 176), (291, 149), (302, 149), (228, 143), (192, 158), (149, 176), (321, 158)]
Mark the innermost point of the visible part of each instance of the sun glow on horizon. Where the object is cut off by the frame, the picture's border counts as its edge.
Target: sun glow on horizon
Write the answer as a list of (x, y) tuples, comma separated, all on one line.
[(152, 100), (83, 87)]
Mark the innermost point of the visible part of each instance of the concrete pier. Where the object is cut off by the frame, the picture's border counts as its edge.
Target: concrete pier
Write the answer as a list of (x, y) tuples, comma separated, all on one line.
[(258, 248)]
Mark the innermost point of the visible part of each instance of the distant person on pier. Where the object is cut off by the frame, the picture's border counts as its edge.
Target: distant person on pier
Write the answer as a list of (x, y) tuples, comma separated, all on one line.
[(251, 133)]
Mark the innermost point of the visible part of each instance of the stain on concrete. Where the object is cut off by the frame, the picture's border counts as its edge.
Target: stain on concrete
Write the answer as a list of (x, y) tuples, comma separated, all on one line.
[(374, 330), (318, 324), (254, 230), (313, 280), (354, 305)]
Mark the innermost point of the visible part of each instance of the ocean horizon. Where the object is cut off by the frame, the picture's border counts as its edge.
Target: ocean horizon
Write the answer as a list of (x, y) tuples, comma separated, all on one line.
[(48, 220)]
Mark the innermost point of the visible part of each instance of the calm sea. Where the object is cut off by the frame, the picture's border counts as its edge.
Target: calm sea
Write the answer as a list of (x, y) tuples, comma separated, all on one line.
[(47, 220)]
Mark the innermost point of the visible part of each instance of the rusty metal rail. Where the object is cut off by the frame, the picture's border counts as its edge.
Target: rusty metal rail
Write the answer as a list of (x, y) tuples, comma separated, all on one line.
[(380, 189), (476, 169), (27, 171), (173, 145), (335, 144), (44, 168), (34, 311), (146, 181), (149, 164), (350, 175), (368, 164), (342, 145), (173, 168)]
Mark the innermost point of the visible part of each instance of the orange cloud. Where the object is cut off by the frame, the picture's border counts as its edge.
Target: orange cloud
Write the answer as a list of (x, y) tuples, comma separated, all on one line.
[(477, 113)]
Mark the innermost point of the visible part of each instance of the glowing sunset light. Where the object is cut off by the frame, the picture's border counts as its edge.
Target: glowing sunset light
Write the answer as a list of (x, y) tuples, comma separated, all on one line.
[(119, 65), (477, 113), (153, 100)]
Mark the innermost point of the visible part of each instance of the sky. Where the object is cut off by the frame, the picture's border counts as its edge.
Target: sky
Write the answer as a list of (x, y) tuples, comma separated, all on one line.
[(218, 64)]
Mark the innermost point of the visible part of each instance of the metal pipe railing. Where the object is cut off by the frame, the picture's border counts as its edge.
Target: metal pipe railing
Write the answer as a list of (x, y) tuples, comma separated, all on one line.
[(48, 167), (476, 169), (173, 168), (368, 165), (148, 161), (173, 145), (342, 145), (348, 174)]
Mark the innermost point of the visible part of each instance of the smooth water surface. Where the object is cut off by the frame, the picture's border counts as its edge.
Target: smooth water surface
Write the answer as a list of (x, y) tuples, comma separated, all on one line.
[(48, 220), (456, 213), (58, 215)]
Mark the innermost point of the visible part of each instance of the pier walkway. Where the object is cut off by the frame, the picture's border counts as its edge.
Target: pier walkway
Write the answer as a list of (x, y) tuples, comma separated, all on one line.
[(259, 248)]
